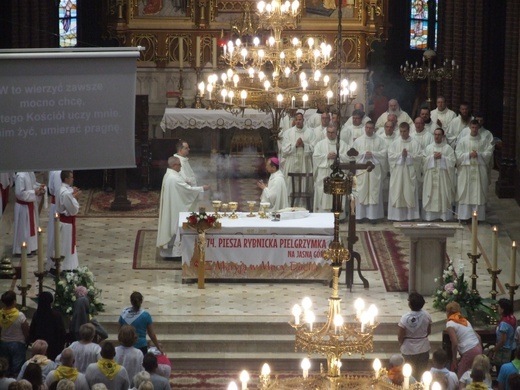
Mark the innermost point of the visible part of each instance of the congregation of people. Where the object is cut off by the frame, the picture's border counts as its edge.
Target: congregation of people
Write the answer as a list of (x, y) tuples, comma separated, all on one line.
[(434, 167), (80, 358), (466, 365)]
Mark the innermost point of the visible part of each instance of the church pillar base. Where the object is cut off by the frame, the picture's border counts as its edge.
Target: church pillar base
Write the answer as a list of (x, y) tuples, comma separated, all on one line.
[(505, 185)]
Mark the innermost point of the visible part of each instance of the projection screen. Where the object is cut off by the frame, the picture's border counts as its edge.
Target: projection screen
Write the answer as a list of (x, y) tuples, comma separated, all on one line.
[(67, 108)]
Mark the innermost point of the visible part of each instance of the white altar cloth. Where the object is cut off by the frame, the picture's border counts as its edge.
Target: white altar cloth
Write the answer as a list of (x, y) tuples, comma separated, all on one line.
[(258, 249)]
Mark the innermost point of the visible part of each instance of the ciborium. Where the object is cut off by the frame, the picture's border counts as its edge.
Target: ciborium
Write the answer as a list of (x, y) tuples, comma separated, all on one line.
[(233, 206), (264, 206), (251, 204)]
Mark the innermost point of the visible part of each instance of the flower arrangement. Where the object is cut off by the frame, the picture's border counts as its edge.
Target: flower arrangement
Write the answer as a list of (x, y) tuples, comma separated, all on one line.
[(454, 288), (202, 218), (66, 291)]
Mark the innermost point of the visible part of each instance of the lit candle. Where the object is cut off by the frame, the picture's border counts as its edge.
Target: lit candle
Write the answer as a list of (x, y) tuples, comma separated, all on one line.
[(407, 373), (474, 228), (24, 264), (40, 250), (197, 52), (377, 367), (57, 251), (513, 264), (181, 52), (214, 52), (306, 364), (494, 246), (244, 378), (293, 102)]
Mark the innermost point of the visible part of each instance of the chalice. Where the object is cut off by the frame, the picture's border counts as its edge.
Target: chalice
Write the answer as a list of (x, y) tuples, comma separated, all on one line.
[(216, 207), (224, 208), (263, 213), (251, 204), (233, 206)]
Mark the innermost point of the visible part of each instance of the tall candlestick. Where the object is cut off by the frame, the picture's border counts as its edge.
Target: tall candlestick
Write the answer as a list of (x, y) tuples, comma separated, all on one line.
[(181, 52), (513, 264), (40, 250), (57, 251), (494, 246), (214, 52), (474, 228), (24, 265), (197, 52)]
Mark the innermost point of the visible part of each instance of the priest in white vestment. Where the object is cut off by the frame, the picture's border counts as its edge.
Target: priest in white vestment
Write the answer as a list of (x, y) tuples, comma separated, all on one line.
[(67, 207), (423, 137), (320, 132), (391, 122), (442, 115), (369, 200), (393, 108), (297, 147), (458, 123), (405, 158), (360, 107), (425, 114), (388, 135), (26, 221), (53, 188), (356, 129), (439, 180), (474, 154), (176, 196), (323, 157), (183, 150), (275, 191)]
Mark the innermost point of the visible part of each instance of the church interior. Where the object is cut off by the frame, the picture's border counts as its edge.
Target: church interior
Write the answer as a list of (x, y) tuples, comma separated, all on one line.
[(229, 326)]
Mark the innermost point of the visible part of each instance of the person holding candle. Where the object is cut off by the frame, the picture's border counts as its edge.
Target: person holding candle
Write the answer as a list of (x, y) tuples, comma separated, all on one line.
[(505, 332), (275, 191), (414, 329), (68, 207), (464, 340), (473, 156), (28, 194), (53, 188), (14, 333)]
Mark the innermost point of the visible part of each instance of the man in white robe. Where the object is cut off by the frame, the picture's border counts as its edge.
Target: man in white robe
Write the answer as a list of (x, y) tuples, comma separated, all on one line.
[(442, 115), (297, 147), (423, 137), (388, 135), (458, 123), (275, 191), (183, 150), (392, 120), (67, 207), (404, 158), (320, 132), (474, 155), (6, 182), (323, 157), (176, 196), (356, 129), (53, 188), (393, 108), (369, 200), (26, 221), (425, 114), (439, 179), (360, 107)]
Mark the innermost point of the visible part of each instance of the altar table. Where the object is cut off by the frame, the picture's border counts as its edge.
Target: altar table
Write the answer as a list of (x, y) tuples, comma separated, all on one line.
[(254, 249)]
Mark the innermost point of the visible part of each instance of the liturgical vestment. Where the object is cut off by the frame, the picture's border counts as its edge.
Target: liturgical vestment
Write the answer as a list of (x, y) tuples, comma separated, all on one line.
[(276, 192)]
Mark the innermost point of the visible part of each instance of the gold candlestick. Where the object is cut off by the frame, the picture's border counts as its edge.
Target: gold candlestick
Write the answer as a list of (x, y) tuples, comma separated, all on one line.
[(251, 204), (39, 277), (474, 260), (494, 276), (24, 290), (57, 266), (512, 289), (233, 206)]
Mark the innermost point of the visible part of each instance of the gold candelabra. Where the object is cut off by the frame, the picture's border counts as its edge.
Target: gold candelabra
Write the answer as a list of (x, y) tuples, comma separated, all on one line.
[(429, 71)]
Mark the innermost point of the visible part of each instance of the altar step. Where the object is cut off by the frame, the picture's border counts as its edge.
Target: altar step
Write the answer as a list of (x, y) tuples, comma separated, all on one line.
[(247, 345)]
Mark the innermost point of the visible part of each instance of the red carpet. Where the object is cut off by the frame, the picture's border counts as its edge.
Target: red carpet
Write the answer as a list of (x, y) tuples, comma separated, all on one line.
[(96, 203), (390, 251)]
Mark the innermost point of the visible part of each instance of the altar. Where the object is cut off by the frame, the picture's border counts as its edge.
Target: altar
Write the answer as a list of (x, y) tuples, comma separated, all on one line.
[(255, 249)]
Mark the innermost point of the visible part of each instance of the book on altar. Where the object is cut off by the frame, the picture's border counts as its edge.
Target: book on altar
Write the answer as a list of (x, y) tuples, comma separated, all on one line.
[(293, 213)]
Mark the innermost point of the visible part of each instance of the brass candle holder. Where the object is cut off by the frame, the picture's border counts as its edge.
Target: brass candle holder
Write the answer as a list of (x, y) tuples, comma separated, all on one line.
[(512, 288), (494, 276), (57, 266), (233, 206), (263, 213), (251, 204), (39, 277), (474, 276), (224, 209), (24, 290)]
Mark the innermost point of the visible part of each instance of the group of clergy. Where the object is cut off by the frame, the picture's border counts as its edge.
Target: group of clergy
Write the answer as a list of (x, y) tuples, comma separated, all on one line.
[(423, 168)]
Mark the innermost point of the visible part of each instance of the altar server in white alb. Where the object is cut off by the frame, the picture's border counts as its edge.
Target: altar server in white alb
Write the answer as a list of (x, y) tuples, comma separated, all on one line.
[(297, 147), (275, 191), (369, 200), (28, 193), (473, 157), (176, 196), (183, 151), (68, 207), (323, 157), (405, 159), (439, 179), (53, 188)]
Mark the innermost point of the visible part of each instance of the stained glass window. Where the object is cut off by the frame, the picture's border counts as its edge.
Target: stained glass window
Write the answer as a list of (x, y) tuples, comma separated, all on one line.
[(423, 24), (68, 23)]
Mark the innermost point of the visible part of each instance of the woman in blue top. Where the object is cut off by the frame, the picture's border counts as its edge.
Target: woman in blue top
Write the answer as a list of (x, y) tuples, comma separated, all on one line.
[(141, 320), (505, 345)]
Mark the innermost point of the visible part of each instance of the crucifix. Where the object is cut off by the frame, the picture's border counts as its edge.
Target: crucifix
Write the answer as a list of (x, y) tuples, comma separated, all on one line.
[(352, 167)]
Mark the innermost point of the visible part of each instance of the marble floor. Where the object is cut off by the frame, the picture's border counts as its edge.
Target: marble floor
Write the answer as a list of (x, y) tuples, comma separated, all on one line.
[(106, 246)]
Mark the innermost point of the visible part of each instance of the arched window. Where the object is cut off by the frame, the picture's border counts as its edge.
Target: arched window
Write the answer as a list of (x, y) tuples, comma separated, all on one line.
[(423, 24), (68, 23)]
